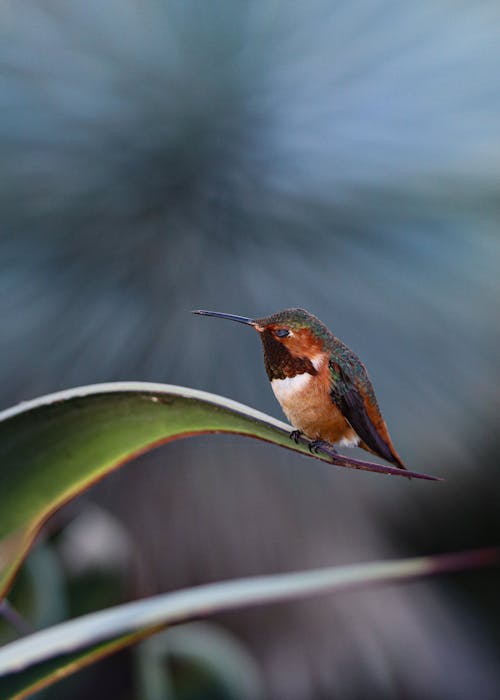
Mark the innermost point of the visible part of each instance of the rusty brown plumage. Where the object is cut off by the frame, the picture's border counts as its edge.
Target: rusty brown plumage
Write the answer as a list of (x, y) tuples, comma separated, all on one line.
[(320, 383)]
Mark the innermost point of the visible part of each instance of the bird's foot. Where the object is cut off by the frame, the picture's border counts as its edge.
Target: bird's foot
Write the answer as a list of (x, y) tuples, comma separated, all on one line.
[(316, 445), (295, 435)]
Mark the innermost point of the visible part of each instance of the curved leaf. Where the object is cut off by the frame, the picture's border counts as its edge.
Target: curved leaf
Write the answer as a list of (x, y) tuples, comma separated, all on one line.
[(57, 446), (44, 657)]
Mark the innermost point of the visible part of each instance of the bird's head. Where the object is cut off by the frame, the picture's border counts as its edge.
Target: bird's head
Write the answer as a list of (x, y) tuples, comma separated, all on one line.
[(293, 340)]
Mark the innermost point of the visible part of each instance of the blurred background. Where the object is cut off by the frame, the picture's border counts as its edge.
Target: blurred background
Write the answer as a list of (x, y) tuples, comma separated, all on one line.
[(159, 156)]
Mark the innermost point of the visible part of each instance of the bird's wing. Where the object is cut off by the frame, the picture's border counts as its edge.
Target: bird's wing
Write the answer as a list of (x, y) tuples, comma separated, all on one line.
[(348, 398)]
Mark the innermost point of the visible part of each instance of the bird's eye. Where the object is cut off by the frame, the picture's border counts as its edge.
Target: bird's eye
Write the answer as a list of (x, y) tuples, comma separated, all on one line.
[(282, 332)]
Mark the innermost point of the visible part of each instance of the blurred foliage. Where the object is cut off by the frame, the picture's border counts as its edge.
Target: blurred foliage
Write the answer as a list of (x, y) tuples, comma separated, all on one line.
[(196, 661), (202, 659), (342, 156)]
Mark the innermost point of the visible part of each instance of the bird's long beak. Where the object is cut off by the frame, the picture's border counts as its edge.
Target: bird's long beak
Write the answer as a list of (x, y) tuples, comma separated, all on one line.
[(231, 317)]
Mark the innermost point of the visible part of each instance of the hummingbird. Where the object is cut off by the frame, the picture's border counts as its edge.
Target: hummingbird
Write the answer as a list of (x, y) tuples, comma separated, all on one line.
[(320, 383)]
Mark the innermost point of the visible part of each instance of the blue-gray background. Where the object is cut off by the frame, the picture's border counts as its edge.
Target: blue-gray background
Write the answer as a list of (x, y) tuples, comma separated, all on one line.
[(250, 156)]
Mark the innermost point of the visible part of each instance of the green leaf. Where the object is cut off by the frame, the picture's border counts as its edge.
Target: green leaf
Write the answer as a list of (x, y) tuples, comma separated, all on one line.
[(55, 447), (41, 659)]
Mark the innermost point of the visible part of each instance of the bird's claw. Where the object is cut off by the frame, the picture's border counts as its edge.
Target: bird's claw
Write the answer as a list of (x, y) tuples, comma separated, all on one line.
[(316, 445)]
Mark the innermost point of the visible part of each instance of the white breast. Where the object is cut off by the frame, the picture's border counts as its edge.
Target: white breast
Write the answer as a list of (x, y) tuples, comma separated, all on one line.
[(286, 389)]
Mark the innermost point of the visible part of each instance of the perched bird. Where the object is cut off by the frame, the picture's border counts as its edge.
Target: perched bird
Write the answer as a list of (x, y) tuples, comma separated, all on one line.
[(321, 385)]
